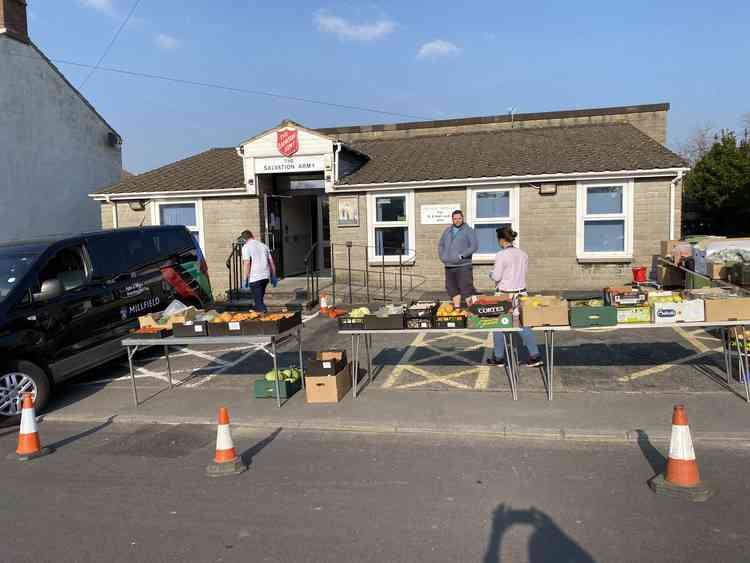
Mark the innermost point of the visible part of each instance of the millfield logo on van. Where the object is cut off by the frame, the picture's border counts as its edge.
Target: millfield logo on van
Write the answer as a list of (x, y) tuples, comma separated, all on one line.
[(143, 306)]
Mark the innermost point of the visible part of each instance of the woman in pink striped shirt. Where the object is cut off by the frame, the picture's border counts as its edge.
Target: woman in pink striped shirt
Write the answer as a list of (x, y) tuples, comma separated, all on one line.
[(509, 275)]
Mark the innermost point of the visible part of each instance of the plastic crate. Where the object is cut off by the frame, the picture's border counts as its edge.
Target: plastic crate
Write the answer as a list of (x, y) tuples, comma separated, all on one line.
[(391, 322), (427, 312), (277, 327), (265, 389), (584, 316), (453, 321), (351, 323), (190, 329), (418, 323)]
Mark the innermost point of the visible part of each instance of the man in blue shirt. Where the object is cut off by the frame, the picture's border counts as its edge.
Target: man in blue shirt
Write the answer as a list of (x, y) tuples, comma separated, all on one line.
[(456, 247)]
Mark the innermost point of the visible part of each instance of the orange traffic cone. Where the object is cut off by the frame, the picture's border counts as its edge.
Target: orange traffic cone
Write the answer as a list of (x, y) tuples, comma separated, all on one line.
[(681, 478), (29, 445), (226, 461)]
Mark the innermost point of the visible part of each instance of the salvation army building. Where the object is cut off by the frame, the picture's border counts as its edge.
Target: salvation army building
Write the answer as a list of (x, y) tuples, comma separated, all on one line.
[(590, 192)]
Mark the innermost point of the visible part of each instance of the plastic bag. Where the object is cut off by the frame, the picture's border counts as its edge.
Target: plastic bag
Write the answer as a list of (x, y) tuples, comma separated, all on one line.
[(175, 307)]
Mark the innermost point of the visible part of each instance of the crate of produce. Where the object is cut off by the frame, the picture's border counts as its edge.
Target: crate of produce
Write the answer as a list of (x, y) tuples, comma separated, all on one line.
[(388, 317), (151, 333), (625, 296), (190, 329), (450, 321), (544, 310), (498, 322), (489, 305), (421, 310), (632, 315), (347, 322), (290, 381), (277, 323), (232, 323), (420, 323), (591, 313), (327, 362)]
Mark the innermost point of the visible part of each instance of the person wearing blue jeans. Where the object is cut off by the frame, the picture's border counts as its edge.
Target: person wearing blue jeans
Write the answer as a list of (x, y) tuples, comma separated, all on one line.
[(509, 275), (257, 269)]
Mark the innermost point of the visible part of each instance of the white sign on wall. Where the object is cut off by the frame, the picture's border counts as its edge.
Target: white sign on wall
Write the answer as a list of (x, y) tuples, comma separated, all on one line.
[(278, 165), (438, 214)]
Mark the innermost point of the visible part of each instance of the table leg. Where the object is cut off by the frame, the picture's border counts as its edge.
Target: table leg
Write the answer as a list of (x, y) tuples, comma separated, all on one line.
[(301, 366), (131, 353), (509, 365), (368, 345), (169, 366), (551, 362), (276, 371), (516, 367), (727, 353), (743, 361), (355, 366)]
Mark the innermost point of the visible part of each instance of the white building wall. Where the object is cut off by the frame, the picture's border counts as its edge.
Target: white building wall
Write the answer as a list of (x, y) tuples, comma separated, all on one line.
[(53, 149)]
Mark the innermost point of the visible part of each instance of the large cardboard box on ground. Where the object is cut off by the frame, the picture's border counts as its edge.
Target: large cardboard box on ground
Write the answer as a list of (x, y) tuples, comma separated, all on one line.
[(544, 310), (328, 388), (327, 362), (733, 309)]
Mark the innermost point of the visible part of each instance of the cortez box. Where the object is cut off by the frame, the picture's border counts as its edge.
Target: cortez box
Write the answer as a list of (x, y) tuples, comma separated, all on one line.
[(328, 388), (544, 310), (733, 309)]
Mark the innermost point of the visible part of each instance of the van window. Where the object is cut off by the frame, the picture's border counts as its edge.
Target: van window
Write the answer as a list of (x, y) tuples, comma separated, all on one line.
[(67, 266)]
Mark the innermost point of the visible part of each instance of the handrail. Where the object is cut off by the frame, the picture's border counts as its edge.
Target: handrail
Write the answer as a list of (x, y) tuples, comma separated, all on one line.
[(310, 253)]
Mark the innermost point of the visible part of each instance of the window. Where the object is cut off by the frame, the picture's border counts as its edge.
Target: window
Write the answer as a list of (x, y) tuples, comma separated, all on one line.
[(187, 213), (391, 226), (490, 209), (67, 266), (605, 220)]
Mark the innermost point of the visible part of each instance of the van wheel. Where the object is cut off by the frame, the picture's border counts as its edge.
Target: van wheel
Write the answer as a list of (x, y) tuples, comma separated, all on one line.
[(17, 378)]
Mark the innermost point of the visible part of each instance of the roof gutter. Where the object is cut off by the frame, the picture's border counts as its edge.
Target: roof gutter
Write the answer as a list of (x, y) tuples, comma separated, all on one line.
[(462, 182), (168, 195)]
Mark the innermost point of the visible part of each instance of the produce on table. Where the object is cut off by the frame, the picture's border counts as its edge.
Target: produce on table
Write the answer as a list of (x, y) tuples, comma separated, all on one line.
[(290, 375), (389, 311), (359, 312), (588, 303), (149, 330), (448, 310)]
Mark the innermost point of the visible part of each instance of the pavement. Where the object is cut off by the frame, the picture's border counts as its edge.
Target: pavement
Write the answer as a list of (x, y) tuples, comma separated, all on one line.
[(123, 492), (608, 385)]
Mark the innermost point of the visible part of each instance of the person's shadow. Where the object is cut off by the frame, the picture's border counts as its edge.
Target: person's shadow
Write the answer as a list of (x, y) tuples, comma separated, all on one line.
[(548, 542)]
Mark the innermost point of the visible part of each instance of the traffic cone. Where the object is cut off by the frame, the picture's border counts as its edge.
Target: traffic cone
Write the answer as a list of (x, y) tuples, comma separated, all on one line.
[(226, 461), (29, 445), (681, 478)]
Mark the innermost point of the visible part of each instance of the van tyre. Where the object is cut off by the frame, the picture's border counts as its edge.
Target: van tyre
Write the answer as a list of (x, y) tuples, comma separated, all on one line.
[(16, 378)]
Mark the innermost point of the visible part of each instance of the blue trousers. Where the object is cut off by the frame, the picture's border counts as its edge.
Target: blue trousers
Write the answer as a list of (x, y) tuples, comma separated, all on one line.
[(527, 337), (259, 292)]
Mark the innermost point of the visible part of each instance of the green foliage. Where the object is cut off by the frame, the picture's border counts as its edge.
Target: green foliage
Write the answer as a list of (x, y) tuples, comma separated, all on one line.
[(717, 190)]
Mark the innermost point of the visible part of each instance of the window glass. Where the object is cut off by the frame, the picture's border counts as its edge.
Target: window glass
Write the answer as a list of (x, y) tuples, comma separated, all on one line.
[(390, 240), (492, 204), (604, 236), (178, 214), (390, 209), (66, 266), (604, 200), (487, 237), (13, 268)]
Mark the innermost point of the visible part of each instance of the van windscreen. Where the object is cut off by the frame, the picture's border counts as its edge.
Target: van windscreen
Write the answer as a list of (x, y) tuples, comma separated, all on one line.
[(13, 268)]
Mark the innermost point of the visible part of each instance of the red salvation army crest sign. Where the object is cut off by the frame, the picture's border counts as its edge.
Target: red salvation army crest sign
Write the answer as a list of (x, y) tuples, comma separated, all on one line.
[(287, 141)]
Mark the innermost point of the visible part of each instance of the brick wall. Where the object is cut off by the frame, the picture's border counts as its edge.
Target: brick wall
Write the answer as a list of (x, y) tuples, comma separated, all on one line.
[(547, 232)]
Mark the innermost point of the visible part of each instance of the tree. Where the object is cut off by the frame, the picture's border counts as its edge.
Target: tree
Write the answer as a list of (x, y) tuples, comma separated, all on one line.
[(717, 189), (698, 143)]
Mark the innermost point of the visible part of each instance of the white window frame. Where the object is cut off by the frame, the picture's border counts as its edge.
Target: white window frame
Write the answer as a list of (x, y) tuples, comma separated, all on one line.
[(410, 224), (156, 216), (626, 216), (513, 208)]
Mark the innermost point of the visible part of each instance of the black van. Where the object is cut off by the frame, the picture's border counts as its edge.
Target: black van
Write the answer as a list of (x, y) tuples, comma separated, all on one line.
[(65, 303)]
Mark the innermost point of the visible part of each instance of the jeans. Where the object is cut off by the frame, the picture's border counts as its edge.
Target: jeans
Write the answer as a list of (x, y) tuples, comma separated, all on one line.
[(259, 291), (527, 337)]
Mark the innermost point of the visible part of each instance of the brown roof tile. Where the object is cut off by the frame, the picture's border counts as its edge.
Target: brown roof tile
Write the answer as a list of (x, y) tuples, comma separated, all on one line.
[(214, 169), (516, 152)]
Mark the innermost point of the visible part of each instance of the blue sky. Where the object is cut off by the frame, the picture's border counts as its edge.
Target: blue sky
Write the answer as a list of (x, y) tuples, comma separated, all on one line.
[(435, 59)]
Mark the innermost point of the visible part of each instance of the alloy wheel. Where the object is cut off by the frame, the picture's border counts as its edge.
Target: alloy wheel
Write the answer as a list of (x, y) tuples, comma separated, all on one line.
[(12, 388)]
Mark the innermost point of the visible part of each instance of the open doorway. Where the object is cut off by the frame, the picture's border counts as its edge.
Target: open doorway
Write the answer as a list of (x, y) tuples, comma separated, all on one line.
[(296, 219)]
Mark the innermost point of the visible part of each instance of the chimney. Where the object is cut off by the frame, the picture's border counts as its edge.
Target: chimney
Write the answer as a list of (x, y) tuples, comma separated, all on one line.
[(13, 20)]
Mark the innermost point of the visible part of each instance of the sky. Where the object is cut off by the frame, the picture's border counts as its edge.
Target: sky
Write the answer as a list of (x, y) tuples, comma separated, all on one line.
[(422, 60)]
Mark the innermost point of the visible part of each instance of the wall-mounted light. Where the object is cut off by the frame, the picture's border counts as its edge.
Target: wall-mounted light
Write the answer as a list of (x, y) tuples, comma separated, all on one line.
[(544, 189), (137, 205)]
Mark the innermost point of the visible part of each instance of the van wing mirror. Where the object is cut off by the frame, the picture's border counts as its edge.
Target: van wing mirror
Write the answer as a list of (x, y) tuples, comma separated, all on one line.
[(50, 290)]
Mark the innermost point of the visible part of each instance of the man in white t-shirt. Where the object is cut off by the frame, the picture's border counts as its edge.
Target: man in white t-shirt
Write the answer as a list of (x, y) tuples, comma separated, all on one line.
[(257, 268)]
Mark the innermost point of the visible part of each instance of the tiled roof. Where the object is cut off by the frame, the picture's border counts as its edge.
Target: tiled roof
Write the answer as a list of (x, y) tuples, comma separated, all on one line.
[(214, 169), (513, 152)]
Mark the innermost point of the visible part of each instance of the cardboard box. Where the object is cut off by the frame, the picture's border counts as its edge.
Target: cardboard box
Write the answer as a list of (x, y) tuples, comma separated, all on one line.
[(692, 311), (719, 270), (667, 246), (328, 362), (328, 388), (666, 313), (734, 309), (152, 319), (551, 311), (502, 321), (584, 316), (630, 315)]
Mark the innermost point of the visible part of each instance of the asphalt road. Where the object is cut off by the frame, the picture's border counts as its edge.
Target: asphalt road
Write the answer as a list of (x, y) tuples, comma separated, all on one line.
[(127, 493)]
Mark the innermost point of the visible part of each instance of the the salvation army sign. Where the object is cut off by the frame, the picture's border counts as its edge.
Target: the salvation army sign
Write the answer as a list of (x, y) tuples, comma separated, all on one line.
[(287, 141)]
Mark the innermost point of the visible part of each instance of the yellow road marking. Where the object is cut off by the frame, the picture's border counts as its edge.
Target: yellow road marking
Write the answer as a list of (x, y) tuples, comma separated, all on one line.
[(396, 373), (483, 380), (665, 367), (697, 344), (433, 378)]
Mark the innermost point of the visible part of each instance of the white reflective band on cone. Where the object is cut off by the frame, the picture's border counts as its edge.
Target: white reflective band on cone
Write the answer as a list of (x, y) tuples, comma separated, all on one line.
[(223, 437), (681, 444), (28, 422)]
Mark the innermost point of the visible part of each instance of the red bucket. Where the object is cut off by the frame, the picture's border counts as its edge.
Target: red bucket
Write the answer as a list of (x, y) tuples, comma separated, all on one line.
[(639, 274)]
